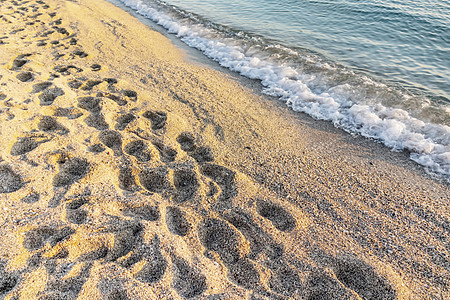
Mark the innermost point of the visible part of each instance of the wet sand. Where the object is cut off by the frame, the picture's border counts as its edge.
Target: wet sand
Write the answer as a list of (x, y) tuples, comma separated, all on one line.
[(127, 172)]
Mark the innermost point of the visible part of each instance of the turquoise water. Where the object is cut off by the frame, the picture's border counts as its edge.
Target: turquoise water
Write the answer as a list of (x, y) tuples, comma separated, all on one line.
[(406, 42), (376, 68)]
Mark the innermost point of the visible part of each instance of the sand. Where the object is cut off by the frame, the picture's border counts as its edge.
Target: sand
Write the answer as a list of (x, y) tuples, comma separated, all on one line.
[(127, 172)]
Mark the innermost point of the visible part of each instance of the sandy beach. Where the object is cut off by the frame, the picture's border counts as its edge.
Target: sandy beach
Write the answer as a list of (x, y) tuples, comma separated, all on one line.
[(129, 172)]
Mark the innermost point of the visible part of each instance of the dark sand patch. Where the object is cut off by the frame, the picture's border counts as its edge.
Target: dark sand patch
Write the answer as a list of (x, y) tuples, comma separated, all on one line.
[(74, 213), (89, 85), (49, 124), (186, 141), (362, 278), (36, 238)]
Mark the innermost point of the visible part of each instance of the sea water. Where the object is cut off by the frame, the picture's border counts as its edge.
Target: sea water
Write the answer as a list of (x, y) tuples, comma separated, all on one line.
[(378, 68)]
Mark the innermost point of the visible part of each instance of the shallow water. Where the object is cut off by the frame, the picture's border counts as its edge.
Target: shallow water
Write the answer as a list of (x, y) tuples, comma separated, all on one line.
[(402, 41), (376, 68)]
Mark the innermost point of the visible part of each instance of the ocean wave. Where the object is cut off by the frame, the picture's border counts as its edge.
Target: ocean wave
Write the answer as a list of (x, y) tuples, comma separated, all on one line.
[(342, 102)]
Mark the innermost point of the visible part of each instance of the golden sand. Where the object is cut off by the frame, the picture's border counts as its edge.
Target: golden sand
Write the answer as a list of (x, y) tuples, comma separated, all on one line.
[(128, 173)]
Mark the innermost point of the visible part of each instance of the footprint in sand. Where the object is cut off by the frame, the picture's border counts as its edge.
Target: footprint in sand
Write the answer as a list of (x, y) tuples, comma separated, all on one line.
[(47, 33), (116, 294), (110, 81), (97, 121), (126, 179), (68, 70), (155, 265), (187, 281), (259, 240), (116, 98), (144, 212), (10, 181), (91, 104), (285, 281), (96, 148), (23, 145), (8, 280), (243, 273), (186, 184), (96, 67), (122, 121), (74, 84), (19, 61), (36, 238), (200, 153), (96, 254), (61, 234), (137, 149), (216, 235), (111, 139), (280, 218), (49, 124), (130, 94), (320, 285), (70, 170), (25, 76), (360, 277), (166, 153), (40, 86), (48, 96), (223, 176), (155, 180), (67, 288), (90, 84), (68, 112), (74, 213), (176, 221), (126, 236), (31, 198), (80, 53), (157, 118), (61, 30)]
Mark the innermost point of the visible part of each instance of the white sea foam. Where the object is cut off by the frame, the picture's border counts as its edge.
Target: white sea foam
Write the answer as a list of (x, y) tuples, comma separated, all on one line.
[(428, 143)]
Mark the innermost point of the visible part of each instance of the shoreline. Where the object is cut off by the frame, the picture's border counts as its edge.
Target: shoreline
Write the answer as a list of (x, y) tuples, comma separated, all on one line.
[(196, 57), (220, 191)]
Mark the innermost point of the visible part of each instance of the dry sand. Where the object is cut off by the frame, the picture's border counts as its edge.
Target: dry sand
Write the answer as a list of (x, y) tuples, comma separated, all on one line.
[(128, 173)]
